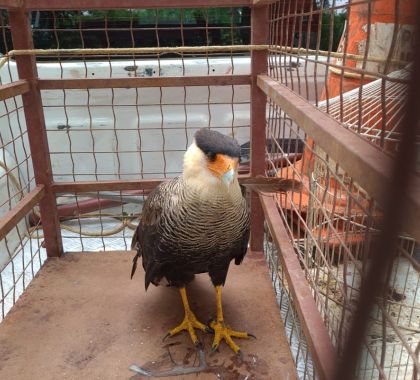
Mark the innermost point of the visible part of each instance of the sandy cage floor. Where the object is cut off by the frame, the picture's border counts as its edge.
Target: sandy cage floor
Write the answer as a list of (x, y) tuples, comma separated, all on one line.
[(82, 317)]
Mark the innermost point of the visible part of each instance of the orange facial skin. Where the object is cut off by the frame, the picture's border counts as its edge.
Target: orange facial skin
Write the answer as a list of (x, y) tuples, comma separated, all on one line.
[(221, 164)]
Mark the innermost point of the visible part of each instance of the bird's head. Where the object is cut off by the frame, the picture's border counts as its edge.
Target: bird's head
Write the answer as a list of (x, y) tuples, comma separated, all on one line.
[(212, 159)]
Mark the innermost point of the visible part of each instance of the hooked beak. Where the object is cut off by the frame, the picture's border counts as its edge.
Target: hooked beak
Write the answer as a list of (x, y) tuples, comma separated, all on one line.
[(228, 177), (224, 168)]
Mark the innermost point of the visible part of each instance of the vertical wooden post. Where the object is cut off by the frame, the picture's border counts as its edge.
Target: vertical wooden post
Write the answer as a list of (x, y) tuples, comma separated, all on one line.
[(34, 115), (259, 35)]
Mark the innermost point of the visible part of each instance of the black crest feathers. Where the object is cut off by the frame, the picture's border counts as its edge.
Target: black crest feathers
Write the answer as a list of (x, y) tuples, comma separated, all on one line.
[(212, 143)]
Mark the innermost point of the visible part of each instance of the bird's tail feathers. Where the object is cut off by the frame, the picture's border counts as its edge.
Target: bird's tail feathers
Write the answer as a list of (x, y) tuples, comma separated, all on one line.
[(134, 267), (135, 247), (135, 241)]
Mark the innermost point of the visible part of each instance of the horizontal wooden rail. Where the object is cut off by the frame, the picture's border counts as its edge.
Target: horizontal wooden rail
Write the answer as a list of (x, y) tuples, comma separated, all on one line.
[(215, 80), (370, 167), (258, 3), (111, 185), (13, 89), (319, 342), (23, 207), (129, 4), (11, 3)]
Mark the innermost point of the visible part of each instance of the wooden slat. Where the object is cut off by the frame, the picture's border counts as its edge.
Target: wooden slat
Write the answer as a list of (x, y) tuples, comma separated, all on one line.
[(219, 80), (13, 89), (11, 3), (370, 167), (112, 185), (316, 334), (86, 186), (257, 3), (259, 35), (35, 122), (24, 206), (113, 4)]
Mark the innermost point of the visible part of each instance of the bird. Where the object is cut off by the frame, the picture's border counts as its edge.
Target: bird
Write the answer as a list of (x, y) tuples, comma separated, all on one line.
[(196, 223)]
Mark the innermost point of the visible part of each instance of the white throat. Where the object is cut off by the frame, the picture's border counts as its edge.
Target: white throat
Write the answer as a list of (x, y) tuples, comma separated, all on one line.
[(195, 168), (201, 179)]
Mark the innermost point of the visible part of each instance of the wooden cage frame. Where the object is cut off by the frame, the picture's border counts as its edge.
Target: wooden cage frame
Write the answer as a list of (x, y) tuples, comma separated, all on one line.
[(362, 160)]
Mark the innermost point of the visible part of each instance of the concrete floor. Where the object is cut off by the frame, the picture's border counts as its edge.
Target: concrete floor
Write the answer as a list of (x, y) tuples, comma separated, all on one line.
[(82, 318)]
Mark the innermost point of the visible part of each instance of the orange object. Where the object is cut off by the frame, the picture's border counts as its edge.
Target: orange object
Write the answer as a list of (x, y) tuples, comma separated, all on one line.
[(340, 80), (382, 22)]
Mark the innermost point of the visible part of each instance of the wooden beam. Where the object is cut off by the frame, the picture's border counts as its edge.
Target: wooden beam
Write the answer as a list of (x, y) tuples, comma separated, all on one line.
[(23, 207), (320, 346), (128, 4), (216, 80), (259, 3), (11, 4), (111, 185), (117, 185), (37, 135), (370, 167), (10, 90), (259, 35)]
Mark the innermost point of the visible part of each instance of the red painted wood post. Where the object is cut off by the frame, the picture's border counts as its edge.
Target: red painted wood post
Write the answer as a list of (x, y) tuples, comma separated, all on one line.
[(34, 115), (259, 35)]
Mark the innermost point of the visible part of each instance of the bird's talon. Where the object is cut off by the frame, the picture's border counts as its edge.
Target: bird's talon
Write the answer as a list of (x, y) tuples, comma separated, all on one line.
[(214, 349), (223, 332), (190, 323), (240, 356), (166, 337), (252, 336)]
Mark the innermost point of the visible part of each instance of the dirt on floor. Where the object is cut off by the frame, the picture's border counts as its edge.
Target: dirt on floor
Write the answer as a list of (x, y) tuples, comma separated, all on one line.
[(83, 318)]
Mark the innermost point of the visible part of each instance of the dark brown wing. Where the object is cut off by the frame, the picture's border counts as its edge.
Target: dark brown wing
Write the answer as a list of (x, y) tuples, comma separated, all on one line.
[(148, 233), (243, 248), (149, 220)]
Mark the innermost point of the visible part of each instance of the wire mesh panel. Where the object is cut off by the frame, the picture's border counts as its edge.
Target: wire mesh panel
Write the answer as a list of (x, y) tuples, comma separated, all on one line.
[(351, 60), (22, 255), (294, 332), (333, 223), (328, 52), (118, 133), (140, 132), (16, 170)]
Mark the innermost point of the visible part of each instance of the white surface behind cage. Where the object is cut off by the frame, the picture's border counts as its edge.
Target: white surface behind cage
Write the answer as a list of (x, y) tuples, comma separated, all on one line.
[(10, 187), (148, 119)]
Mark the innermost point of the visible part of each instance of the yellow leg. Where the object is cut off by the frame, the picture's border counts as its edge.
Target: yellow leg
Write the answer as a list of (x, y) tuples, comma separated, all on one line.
[(190, 321), (221, 331)]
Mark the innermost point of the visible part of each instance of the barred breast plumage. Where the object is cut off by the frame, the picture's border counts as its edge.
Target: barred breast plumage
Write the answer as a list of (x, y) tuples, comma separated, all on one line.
[(184, 231)]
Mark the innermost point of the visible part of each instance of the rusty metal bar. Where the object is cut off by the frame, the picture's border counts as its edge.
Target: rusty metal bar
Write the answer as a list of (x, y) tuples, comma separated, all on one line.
[(397, 204), (217, 80), (319, 342), (112, 4), (26, 66), (363, 161), (10, 90), (259, 35), (22, 208)]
